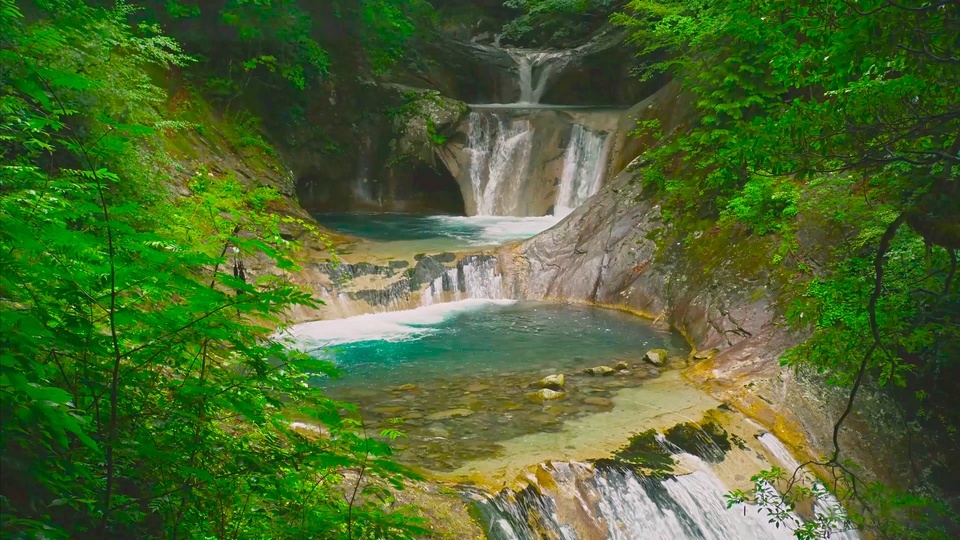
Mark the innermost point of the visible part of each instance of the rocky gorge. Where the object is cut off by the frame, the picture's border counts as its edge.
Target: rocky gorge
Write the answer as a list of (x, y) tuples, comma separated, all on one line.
[(608, 245)]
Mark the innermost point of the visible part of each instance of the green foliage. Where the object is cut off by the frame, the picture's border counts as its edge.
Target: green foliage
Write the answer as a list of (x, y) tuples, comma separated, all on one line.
[(549, 22), (141, 393), (842, 121), (764, 204)]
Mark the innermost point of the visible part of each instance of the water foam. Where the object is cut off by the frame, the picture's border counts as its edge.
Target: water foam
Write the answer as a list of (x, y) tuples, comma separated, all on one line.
[(497, 229), (388, 326)]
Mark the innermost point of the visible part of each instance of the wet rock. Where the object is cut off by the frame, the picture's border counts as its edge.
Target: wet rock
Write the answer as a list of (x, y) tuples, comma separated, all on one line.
[(546, 394), (450, 413), (412, 416), (657, 357), (407, 387), (397, 265), (708, 441), (389, 411), (445, 257), (552, 382), (621, 365), (427, 270), (703, 355), (600, 370), (598, 401)]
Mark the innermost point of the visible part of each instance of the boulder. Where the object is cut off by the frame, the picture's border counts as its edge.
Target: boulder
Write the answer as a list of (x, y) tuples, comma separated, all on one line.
[(553, 382), (546, 394), (600, 370), (657, 357)]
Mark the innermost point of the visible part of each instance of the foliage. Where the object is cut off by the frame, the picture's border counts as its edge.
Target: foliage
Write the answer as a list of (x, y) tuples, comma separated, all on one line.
[(140, 393), (843, 117), (554, 21)]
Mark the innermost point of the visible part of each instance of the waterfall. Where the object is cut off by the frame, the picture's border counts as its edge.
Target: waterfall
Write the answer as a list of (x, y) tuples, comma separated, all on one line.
[(534, 69), (583, 165), (475, 277), (499, 150), (826, 503), (610, 500)]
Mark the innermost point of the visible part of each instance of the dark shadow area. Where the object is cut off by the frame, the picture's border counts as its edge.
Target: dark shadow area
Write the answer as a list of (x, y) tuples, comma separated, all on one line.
[(412, 186)]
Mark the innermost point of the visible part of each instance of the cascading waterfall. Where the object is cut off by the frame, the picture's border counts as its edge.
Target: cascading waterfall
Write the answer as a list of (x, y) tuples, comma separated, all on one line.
[(612, 501), (475, 277), (583, 165), (499, 151), (826, 504), (534, 69)]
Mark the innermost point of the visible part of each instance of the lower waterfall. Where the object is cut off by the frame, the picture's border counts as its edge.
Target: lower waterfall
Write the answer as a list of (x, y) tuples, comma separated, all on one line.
[(612, 501), (583, 167), (826, 504)]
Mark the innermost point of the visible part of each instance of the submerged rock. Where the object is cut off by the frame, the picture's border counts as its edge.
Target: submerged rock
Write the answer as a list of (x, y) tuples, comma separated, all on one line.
[(598, 401), (451, 413), (546, 394), (657, 357), (600, 370), (553, 382)]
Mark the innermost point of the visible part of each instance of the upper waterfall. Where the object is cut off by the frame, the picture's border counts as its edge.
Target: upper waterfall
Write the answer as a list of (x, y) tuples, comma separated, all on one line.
[(535, 68), (525, 159)]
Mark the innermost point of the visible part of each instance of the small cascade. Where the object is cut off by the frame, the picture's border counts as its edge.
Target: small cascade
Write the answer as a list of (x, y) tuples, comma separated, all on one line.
[(826, 503), (610, 500), (475, 277), (583, 169), (499, 150), (535, 68)]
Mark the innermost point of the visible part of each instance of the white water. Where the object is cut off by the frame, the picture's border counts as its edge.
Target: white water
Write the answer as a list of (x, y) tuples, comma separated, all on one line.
[(535, 68), (388, 326), (583, 165), (497, 229), (473, 278), (499, 150), (614, 502), (826, 504)]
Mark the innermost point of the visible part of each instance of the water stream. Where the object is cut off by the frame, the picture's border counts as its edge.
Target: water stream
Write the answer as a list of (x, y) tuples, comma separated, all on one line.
[(534, 69), (499, 148), (583, 166)]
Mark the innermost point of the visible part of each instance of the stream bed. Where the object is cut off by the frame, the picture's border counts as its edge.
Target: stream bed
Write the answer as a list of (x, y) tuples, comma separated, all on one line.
[(463, 375)]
